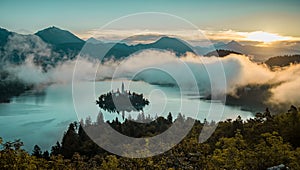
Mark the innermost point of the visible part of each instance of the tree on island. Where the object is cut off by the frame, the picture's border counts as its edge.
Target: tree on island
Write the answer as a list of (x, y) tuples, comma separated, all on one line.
[(122, 101)]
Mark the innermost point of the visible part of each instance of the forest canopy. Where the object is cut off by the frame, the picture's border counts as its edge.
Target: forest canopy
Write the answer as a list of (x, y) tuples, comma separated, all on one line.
[(257, 143)]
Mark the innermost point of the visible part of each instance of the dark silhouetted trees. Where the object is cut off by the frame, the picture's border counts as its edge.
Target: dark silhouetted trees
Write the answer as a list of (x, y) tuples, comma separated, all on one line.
[(122, 102), (260, 142), (70, 141), (37, 152)]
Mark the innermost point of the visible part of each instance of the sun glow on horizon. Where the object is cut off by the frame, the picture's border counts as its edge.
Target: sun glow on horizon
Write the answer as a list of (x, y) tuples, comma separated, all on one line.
[(196, 37), (265, 37)]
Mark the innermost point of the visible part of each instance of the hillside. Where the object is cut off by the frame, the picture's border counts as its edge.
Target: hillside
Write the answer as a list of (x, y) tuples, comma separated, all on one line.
[(122, 50), (3, 36), (282, 61), (63, 43), (221, 53), (55, 36), (258, 53)]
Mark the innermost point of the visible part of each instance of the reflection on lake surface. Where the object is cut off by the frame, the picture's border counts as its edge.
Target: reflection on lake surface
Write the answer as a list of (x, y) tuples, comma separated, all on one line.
[(41, 118)]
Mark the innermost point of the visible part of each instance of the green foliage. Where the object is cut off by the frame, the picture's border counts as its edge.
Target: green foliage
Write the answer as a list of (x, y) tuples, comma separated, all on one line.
[(110, 162), (230, 152), (37, 152), (258, 143), (272, 151), (70, 141)]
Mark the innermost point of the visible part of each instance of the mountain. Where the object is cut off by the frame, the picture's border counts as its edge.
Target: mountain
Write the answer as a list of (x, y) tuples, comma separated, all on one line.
[(63, 42), (67, 43), (55, 36), (219, 44), (3, 36), (176, 45), (66, 46), (283, 61), (122, 50), (142, 39), (203, 50), (257, 52), (231, 46), (47, 47), (221, 53), (93, 41)]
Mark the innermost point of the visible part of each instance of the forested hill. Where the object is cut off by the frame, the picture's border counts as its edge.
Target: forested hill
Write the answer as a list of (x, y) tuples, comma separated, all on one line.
[(221, 53), (258, 143), (282, 61)]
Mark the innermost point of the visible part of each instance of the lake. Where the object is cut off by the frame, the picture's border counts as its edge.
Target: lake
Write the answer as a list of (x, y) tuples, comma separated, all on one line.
[(41, 118)]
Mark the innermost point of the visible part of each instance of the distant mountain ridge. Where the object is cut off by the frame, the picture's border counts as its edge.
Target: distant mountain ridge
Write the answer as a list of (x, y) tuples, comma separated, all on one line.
[(4, 36), (122, 50), (93, 41), (55, 36), (47, 47), (66, 46), (63, 42), (230, 46), (221, 53), (259, 54)]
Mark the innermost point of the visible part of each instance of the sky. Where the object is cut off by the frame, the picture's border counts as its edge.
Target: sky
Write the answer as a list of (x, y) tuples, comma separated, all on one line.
[(272, 16)]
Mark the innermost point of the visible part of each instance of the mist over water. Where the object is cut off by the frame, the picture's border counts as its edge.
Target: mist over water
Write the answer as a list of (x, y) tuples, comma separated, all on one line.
[(48, 112), (239, 71)]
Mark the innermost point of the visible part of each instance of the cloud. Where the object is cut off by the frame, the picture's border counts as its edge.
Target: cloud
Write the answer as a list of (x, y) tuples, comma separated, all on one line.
[(30, 49), (164, 67), (26, 45), (63, 73), (239, 71), (116, 35), (200, 37), (31, 73), (28, 72), (287, 91)]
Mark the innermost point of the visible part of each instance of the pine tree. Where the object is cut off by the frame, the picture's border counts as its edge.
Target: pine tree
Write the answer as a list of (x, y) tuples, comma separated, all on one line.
[(37, 152), (55, 150), (170, 118), (46, 155), (70, 142)]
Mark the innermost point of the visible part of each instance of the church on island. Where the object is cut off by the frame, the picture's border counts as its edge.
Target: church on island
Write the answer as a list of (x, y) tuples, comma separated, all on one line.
[(118, 91), (122, 101)]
